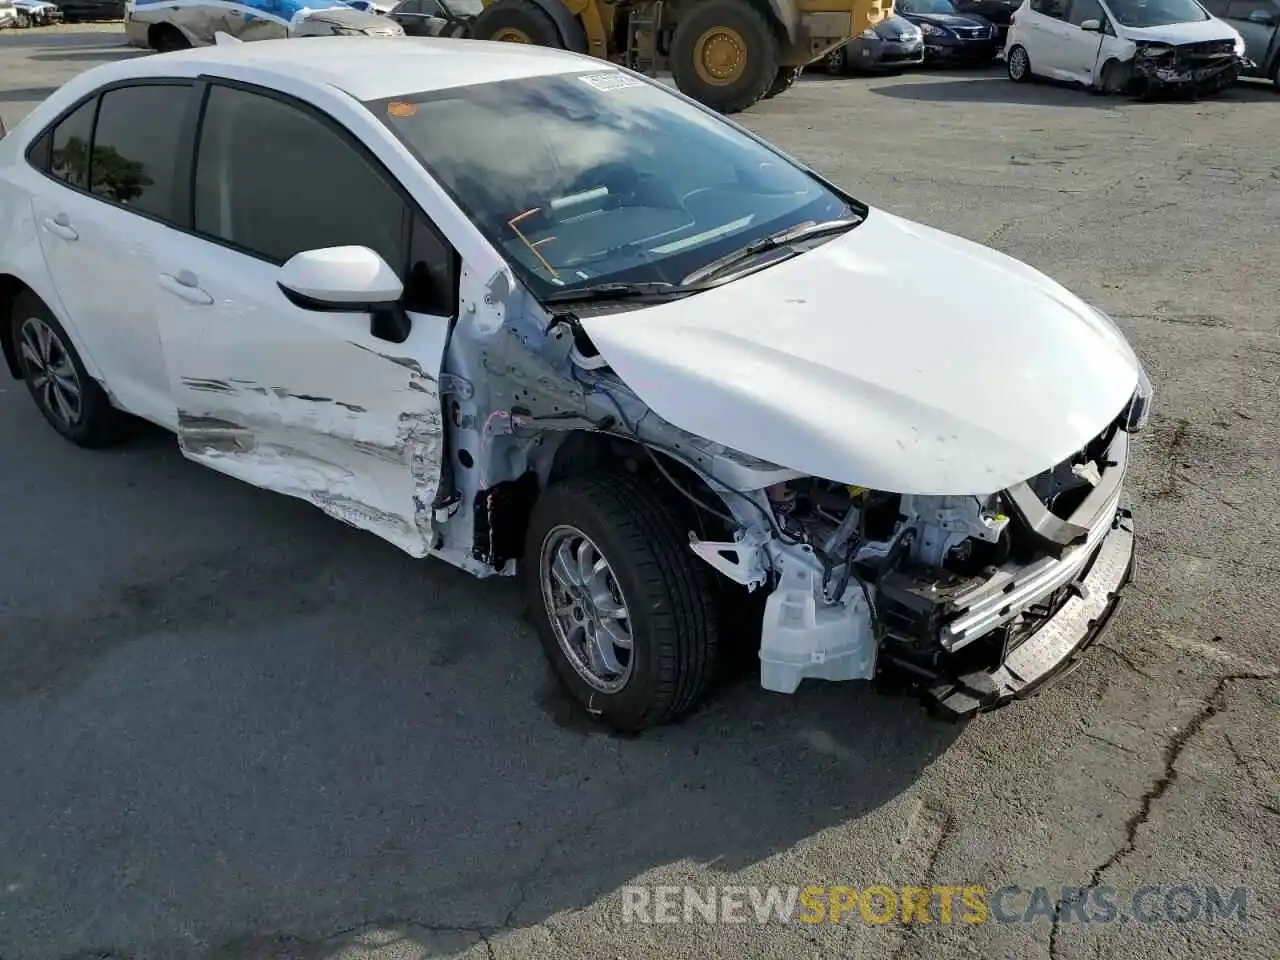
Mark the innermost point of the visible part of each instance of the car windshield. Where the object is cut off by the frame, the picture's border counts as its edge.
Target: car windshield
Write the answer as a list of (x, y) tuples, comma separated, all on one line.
[(925, 6), (1156, 13), (602, 177)]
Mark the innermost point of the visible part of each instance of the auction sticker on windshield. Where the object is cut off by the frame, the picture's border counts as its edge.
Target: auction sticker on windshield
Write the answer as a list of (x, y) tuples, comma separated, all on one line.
[(613, 80)]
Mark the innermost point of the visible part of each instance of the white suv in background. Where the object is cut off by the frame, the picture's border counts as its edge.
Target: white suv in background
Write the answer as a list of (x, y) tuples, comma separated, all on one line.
[(1118, 46)]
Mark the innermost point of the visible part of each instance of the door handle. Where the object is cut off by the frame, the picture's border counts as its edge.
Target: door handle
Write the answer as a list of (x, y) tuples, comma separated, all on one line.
[(60, 226), (185, 284)]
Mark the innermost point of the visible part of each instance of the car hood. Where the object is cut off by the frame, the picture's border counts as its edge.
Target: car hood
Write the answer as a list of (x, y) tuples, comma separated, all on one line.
[(1175, 33), (896, 28), (895, 356), (341, 15), (947, 19)]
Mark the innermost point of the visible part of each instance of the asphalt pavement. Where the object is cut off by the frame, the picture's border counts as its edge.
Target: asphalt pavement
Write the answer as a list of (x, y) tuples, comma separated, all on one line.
[(234, 729)]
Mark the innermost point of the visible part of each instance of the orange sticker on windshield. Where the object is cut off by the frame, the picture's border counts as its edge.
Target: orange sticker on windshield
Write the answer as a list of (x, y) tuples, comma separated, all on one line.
[(400, 110)]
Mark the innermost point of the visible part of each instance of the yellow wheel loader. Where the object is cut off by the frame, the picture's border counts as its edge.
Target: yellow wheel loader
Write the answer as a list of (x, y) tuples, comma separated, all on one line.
[(727, 54)]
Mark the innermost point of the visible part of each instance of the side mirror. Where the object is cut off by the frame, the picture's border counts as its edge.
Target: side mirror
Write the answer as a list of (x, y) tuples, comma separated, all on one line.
[(1093, 26), (1265, 17), (347, 280)]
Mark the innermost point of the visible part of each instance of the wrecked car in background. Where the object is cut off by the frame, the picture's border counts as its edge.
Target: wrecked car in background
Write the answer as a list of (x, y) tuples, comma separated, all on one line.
[(36, 13), (1125, 46), (560, 322), (164, 25)]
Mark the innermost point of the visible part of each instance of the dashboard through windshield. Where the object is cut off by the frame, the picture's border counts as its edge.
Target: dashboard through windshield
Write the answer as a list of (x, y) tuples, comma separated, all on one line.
[(602, 177)]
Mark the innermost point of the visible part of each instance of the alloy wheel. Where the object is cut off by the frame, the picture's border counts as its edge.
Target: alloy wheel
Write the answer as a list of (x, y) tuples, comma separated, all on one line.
[(49, 369), (586, 608)]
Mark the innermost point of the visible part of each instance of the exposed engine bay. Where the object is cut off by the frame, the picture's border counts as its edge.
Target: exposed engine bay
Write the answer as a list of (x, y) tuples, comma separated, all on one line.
[(1206, 67), (945, 588)]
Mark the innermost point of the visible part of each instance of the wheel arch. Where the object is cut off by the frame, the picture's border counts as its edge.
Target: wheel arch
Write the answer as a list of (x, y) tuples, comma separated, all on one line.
[(10, 289)]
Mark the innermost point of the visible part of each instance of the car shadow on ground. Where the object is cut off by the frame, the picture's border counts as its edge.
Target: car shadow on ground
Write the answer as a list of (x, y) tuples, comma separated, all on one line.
[(1000, 89), (290, 728), (24, 94)]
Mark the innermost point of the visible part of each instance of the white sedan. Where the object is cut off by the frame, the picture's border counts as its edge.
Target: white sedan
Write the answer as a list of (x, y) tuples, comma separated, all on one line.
[(525, 311)]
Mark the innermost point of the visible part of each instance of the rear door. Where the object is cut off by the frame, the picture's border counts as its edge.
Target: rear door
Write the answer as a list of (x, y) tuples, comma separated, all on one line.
[(109, 201), (306, 403)]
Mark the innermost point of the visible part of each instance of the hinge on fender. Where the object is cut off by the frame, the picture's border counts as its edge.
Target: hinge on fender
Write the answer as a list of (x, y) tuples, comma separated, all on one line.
[(449, 383)]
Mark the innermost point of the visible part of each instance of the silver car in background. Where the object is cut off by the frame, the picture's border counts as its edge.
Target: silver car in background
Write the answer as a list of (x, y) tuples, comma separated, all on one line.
[(178, 24)]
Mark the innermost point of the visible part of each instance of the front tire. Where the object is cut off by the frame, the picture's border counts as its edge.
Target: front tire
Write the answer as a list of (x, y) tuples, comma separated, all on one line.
[(517, 21), (836, 62), (623, 608), (1018, 64), (784, 81), (724, 54), (70, 399)]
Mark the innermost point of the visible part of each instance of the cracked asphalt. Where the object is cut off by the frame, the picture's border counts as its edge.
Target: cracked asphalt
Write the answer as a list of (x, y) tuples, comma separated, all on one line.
[(232, 729)]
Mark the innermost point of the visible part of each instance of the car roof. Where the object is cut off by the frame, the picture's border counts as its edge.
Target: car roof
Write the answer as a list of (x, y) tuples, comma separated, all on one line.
[(370, 68)]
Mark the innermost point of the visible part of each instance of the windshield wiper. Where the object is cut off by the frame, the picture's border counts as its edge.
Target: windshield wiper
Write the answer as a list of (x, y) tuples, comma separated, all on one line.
[(801, 231), (616, 291)]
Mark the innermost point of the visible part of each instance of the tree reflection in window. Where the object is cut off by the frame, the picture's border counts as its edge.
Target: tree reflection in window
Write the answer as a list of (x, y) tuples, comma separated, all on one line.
[(114, 177)]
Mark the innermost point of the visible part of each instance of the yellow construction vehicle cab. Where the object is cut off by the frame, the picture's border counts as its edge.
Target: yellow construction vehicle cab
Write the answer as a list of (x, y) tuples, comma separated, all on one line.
[(726, 54)]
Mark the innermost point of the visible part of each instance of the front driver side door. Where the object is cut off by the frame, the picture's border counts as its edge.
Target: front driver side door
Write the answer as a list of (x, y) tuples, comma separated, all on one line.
[(304, 402)]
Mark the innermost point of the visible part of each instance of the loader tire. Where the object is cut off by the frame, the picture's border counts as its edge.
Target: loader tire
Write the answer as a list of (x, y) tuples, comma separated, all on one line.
[(784, 81), (517, 21), (724, 54)]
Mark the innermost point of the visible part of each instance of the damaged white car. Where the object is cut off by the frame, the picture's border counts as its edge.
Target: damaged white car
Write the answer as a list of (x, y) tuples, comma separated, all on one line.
[(530, 313)]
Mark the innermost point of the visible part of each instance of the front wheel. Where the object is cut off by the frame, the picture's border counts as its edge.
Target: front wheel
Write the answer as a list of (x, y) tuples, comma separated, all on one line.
[(623, 608), (724, 54), (1018, 64), (836, 62), (784, 81), (517, 21)]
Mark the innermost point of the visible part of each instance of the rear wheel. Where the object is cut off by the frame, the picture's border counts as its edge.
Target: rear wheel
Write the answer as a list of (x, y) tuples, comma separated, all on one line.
[(623, 608), (517, 21), (72, 401), (784, 81), (165, 37), (725, 54), (1018, 64)]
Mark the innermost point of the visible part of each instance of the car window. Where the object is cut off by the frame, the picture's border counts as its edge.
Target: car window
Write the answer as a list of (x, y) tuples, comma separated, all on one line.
[(308, 189), (69, 159), (136, 145), (409, 6), (1157, 13), (1082, 10), (1240, 9), (274, 179), (1051, 8), (580, 179)]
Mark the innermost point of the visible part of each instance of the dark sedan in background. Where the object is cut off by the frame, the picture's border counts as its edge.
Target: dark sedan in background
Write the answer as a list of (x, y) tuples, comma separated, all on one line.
[(950, 35), (999, 13), (892, 43), (79, 11)]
